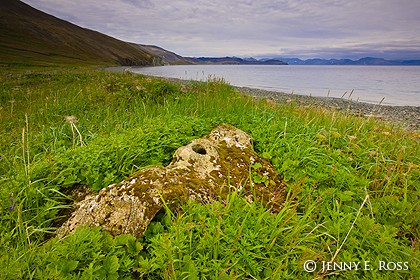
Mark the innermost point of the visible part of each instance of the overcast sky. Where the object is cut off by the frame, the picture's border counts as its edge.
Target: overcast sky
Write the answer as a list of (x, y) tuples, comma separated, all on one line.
[(288, 28)]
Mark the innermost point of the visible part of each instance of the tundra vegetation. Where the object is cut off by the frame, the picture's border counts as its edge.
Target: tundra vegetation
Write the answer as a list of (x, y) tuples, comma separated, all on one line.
[(352, 183)]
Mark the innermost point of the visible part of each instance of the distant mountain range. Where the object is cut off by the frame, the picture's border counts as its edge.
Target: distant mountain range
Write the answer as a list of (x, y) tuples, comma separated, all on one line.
[(235, 60), (30, 36), (362, 61), (297, 61)]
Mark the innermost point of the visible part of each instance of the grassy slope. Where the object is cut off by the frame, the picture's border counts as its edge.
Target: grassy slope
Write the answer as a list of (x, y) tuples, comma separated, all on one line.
[(29, 36), (167, 56), (330, 161)]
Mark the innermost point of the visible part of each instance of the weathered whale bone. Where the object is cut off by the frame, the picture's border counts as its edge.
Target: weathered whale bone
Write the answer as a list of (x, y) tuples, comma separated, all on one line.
[(206, 170)]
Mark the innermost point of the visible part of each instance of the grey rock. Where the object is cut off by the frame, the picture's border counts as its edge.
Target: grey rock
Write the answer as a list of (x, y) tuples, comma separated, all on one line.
[(207, 169)]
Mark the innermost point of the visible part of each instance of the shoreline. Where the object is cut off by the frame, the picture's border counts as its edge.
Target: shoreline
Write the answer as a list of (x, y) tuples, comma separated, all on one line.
[(406, 116)]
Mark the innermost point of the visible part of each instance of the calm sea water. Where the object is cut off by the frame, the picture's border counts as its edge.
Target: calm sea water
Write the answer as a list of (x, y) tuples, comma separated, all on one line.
[(394, 84)]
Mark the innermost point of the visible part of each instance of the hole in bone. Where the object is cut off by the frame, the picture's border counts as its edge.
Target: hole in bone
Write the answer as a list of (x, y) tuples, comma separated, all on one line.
[(199, 149)]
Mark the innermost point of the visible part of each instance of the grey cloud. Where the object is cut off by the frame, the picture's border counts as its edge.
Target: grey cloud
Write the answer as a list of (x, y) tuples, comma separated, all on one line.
[(148, 4), (245, 27)]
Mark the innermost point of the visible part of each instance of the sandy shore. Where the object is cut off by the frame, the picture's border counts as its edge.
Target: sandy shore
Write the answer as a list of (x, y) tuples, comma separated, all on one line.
[(406, 116)]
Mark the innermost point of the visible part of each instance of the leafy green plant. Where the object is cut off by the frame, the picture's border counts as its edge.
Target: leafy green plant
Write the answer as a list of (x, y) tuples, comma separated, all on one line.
[(86, 254), (330, 161)]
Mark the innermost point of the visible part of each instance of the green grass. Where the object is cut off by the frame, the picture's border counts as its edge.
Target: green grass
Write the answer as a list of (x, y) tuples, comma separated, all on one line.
[(352, 182)]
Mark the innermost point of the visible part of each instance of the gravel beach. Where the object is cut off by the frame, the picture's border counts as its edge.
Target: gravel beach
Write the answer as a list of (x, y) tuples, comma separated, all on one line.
[(406, 116)]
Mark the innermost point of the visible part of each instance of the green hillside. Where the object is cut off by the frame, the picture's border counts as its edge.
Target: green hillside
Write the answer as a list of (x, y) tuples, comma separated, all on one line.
[(29, 36)]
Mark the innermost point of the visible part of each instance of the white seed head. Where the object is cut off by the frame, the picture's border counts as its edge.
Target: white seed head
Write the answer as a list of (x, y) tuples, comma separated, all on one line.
[(71, 119)]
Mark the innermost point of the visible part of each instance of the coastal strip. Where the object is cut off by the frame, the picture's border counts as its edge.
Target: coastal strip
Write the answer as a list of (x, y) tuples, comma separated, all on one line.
[(406, 116)]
